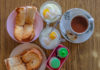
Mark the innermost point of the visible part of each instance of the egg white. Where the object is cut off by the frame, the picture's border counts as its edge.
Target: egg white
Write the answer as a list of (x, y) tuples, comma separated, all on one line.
[(54, 11), (46, 42)]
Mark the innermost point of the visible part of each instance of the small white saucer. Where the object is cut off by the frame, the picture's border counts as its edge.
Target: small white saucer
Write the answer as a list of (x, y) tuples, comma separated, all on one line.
[(64, 26)]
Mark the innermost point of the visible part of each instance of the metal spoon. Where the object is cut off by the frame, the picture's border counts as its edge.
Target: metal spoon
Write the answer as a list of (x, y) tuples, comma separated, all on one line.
[(57, 22)]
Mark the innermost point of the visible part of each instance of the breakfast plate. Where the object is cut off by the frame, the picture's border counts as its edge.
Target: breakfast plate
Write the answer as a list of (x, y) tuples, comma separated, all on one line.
[(22, 47)]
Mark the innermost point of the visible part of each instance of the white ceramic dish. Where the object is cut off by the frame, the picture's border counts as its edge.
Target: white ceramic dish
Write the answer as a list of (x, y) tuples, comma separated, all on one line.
[(44, 38), (42, 8)]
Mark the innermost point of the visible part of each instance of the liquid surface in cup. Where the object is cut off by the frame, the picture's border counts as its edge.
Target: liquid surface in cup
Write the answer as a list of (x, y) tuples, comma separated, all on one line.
[(79, 24)]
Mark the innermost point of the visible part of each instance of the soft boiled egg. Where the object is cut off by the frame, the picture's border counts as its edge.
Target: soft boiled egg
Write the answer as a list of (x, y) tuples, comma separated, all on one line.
[(50, 11), (49, 40)]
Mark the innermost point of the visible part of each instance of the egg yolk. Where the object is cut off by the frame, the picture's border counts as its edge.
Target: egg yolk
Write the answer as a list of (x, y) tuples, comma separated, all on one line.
[(52, 35), (45, 12)]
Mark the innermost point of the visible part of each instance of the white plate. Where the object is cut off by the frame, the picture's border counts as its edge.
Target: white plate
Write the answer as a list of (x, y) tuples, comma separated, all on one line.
[(20, 48)]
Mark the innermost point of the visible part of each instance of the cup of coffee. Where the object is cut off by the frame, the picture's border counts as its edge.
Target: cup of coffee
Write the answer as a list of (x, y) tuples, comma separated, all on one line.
[(80, 23), (77, 25)]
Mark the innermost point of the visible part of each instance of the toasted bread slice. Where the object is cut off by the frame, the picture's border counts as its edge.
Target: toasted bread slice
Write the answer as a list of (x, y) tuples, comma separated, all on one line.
[(34, 64), (18, 32), (11, 62), (24, 33), (31, 55), (30, 14), (33, 58), (19, 67), (28, 32), (20, 17)]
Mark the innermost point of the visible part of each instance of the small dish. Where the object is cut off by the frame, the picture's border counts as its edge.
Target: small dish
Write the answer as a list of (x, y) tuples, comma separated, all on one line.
[(54, 6), (46, 41)]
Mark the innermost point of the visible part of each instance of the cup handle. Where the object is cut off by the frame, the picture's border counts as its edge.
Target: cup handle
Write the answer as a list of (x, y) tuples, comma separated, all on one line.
[(91, 20), (47, 25)]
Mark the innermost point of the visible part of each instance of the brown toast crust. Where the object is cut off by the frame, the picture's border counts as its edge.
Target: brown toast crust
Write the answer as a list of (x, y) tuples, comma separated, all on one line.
[(30, 16), (18, 32), (20, 17)]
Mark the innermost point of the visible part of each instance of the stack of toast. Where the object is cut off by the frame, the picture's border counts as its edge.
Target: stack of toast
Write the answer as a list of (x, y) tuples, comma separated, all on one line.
[(28, 60), (24, 23)]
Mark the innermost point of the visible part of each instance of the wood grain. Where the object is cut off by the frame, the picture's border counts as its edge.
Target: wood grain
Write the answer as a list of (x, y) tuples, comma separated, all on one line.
[(83, 56)]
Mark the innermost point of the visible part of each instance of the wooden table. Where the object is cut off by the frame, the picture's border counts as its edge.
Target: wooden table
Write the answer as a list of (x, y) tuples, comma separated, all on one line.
[(83, 56)]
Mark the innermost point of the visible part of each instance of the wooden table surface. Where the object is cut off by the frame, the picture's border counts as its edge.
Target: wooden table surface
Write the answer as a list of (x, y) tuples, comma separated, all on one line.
[(83, 56)]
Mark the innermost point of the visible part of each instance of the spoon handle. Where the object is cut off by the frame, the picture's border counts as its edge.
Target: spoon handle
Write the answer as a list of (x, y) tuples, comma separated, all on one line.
[(55, 26)]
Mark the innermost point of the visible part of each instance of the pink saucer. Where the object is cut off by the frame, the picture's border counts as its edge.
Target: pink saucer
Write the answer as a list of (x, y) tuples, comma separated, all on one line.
[(11, 22)]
